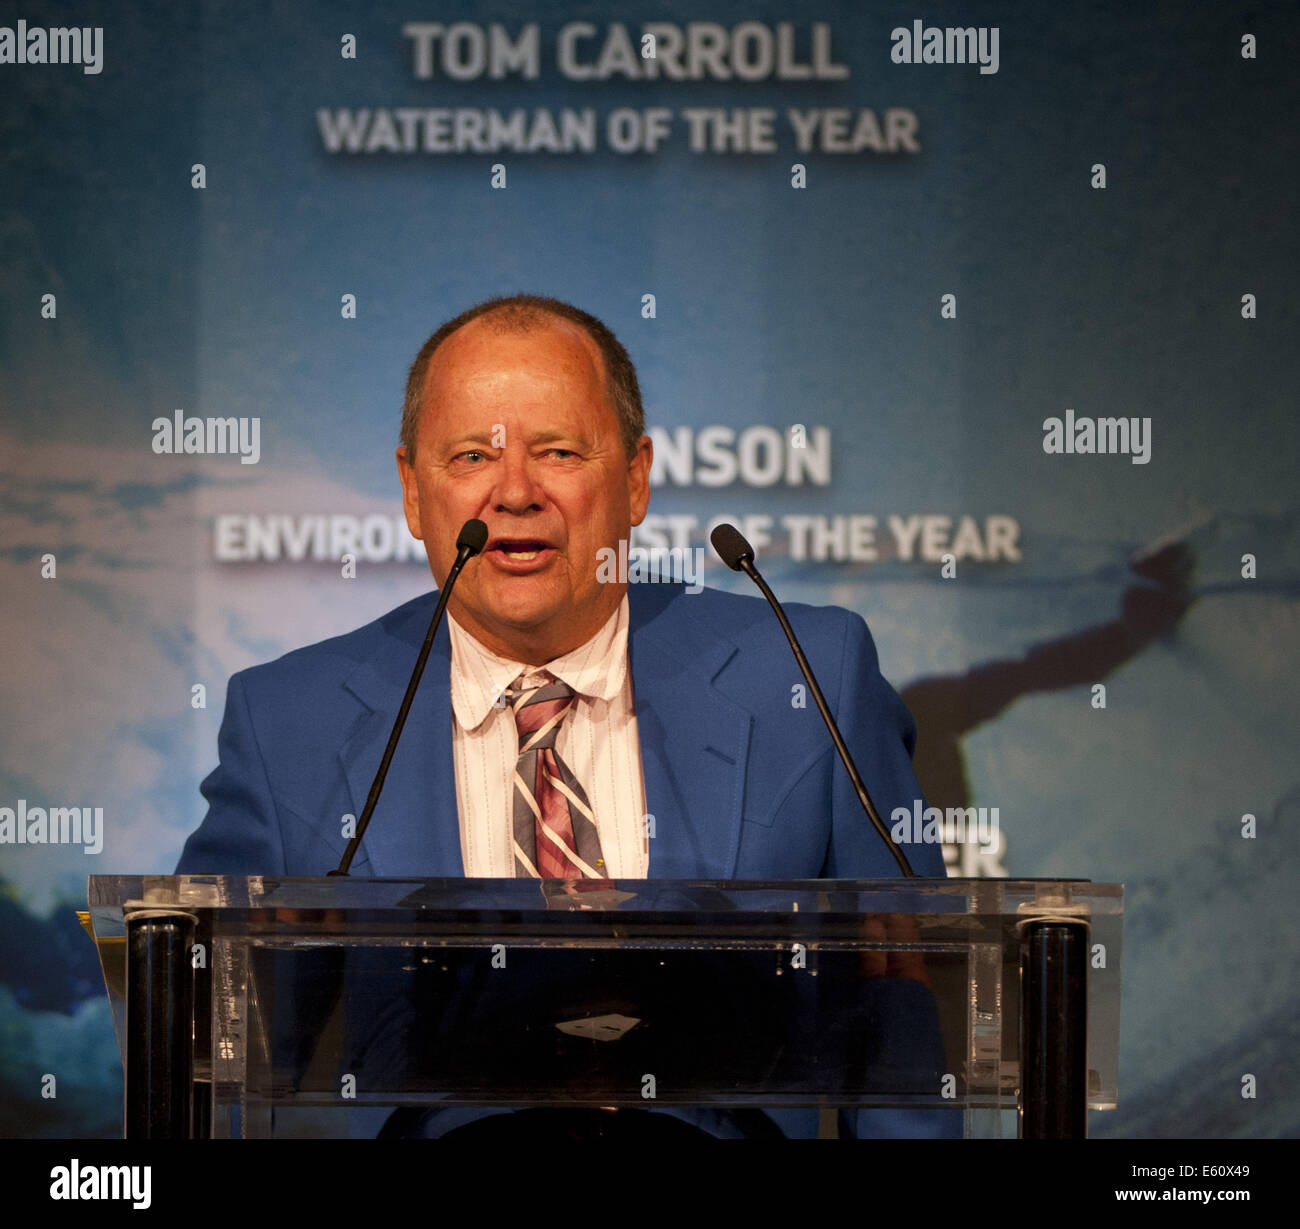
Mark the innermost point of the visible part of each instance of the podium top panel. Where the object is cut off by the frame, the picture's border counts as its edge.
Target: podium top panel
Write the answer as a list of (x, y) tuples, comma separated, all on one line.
[(989, 899)]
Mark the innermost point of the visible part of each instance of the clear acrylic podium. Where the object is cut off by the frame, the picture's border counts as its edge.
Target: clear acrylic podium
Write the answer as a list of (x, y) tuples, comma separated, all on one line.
[(265, 1007)]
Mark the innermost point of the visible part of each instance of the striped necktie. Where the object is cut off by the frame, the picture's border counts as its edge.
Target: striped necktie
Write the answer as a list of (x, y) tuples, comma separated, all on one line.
[(554, 830)]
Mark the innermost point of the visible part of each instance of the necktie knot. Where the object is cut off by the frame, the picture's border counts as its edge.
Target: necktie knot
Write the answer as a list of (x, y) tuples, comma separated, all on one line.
[(539, 711)]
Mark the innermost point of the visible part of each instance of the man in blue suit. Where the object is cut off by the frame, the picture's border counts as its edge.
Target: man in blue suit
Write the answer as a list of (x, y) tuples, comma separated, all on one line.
[(525, 413)]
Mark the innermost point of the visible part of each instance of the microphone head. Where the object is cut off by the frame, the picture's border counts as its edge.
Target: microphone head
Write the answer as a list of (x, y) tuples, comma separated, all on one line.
[(473, 536), (731, 546)]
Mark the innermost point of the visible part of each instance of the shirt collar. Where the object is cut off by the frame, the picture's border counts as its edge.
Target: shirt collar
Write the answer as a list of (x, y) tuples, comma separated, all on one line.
[(595, 670)]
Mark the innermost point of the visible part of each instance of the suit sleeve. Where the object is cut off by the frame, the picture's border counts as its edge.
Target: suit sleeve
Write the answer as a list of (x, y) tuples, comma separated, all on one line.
[(240, 835), (881, 735)]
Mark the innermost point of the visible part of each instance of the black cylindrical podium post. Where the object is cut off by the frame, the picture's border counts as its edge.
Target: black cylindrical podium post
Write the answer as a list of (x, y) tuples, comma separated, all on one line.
[(1054, 1029), (159, 1023)]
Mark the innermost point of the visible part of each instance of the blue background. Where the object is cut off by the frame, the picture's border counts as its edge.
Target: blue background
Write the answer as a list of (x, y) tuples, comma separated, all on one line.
[(774, 306)]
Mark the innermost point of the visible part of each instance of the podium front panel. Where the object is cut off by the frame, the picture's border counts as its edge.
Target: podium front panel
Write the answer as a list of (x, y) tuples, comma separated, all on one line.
[(317, 999)]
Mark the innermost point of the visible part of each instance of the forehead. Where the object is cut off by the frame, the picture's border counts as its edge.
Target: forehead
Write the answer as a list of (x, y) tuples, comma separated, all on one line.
[(485, 366)]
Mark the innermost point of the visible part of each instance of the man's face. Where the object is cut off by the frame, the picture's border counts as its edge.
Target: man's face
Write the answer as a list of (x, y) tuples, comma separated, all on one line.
[(517, 430)]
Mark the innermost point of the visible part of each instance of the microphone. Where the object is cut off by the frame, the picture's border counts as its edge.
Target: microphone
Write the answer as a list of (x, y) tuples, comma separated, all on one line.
[(738, 555), (473, 538)]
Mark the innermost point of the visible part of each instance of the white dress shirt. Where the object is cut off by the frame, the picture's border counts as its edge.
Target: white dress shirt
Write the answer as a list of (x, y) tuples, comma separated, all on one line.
[(597, 739)]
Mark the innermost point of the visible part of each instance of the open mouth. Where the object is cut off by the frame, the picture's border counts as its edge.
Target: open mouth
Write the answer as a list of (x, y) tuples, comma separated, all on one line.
[(519, 551)]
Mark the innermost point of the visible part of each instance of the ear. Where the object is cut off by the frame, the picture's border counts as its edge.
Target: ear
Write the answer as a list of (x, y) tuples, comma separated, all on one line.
[(638, 480), (410, 493)]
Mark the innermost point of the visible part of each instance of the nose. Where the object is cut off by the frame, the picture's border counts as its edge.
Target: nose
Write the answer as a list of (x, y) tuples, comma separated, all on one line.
[(516, 490)]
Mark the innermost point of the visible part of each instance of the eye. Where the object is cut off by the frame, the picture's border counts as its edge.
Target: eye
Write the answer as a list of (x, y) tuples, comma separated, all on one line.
[(472, 455), (563, 453)]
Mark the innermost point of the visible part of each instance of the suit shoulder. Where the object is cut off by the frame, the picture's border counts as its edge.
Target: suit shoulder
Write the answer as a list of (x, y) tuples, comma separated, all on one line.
[(742, 614)]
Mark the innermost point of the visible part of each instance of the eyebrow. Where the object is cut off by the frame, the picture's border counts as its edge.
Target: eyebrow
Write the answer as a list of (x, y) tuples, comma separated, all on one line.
[(548, 437)]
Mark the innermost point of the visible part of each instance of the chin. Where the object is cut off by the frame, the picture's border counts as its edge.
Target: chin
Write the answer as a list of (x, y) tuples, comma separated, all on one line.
[(522, 612)]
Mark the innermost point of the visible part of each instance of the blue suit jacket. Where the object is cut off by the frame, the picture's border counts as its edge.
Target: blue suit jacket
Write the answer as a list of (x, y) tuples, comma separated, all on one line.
[(742, 782), (742, 779)]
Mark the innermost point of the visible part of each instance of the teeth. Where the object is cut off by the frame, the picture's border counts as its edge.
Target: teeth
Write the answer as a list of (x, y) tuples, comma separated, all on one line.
[(521, 554)]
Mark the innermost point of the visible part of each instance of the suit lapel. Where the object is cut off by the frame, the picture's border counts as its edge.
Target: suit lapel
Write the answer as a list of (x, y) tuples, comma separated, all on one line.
[(415, 830), (694, 741)]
